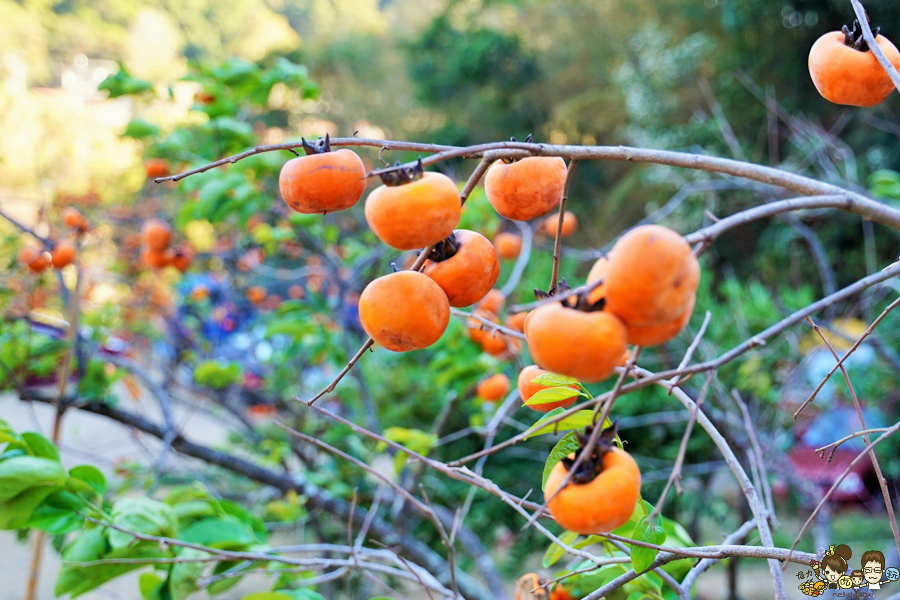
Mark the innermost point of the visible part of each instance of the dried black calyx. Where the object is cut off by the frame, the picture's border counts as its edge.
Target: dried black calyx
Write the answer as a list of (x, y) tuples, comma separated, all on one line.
[(320, 146), (528, 140), (854, 39), (401, 174), (444, 249), (560, 288), (592, 464)]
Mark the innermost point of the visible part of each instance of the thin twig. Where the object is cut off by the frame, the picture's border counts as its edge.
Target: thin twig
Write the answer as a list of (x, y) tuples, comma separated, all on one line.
[(554, 277), (863, 19)]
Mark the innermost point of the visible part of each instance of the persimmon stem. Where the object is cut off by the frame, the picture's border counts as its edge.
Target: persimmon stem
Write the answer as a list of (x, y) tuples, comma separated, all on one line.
[(554, 277)]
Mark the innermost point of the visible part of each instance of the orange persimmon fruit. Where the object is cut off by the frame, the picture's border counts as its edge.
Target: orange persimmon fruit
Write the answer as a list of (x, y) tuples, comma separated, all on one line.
[(323, 182), (34, 258), (493, 301), (156, 167), (404, 311), (493, 388), (73, 219), (508, 245), (63, 254), (527, 389), (551, 222), (527, 188), (465, 265), (156, 233)]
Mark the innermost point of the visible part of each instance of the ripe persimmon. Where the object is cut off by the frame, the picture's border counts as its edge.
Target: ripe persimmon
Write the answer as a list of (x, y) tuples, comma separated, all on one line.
[(155, 259), (465, 265), (551, 222), (63, 254), (181, 258), (560, 593), (517, 321), (73, 219), (477, 329), (156, 233), (601, 495), (527, 188), (654, 335), (585, 345), (255, 294), (498, 344), (527, 389), (531, 587), (493, 388), (416, 214), (845, 71), (296, 292), (33, 258), (324, 181), (508, 245), (156, 167), (651, 277), (404, 311), (493, 301)]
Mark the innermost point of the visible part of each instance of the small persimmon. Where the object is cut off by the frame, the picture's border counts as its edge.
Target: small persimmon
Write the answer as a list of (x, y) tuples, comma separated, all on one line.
[(602, 493), (296, 292), (416, 214), (493, 388), (560, 593), (508, 245), (517, 320), (651, 277), (404, 311), (323, 182), (527, 188), (527, 389), (498, 344), (493, 301), (477, 329), (465, 265), (156, 233), (34, 258), (155, 259), (181, 258), (583, 345), (63, 254), (845, 71), (255, 294), (156, 167), (551, 223), (73, 219)]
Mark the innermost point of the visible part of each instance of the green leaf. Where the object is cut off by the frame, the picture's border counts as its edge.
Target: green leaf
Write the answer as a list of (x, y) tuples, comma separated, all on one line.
[(226, 533), (554, 380), (650, 532), (57, 515), (553, 394), (141, 515), (564, 447), (122, 83), (184, 576), (305, 594), (40, 446), (140, 129), (556, 552), (268, 596), (247, 517), (150, 585), (15, 512), (82, 579), (22, 472), (88, 546), (580, 419), (90, 476), (217, 375)]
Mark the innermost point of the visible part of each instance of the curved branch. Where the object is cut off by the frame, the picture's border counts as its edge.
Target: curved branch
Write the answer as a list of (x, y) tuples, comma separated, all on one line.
[(873, 46)]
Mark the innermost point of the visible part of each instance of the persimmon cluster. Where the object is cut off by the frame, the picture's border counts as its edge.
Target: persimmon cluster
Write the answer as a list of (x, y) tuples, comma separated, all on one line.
[(62, 253), (157, 253)]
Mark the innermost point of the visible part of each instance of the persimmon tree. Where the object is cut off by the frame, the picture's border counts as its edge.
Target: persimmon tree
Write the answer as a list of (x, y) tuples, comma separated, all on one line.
[(274, 251)]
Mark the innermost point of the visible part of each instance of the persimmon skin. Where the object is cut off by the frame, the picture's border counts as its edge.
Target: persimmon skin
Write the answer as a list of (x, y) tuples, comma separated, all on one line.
[(527, 388), (323, 183), (256, 294), (498, 344), (847, 76), (156, 233), (63, 255), (156, 167), (517, 321), (33, 258), (414, 215), (181, 259), (478, 331), (585, 345), (73, 219), (551, 222), (155, 259), (508, 245), (467, 276), (526, 189), (654, 335), (601, 505), (404, 311), (493, 388), (651, 277), (493, 301)]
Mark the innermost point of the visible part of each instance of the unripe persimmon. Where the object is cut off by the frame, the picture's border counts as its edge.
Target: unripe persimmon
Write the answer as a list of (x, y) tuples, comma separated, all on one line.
[(585, 345), (527, 389), (845, 74), (33, 258), (600, 505), (416, 214), (508, 245), (468, 267), (493, 388), (551, 223), (156, 233), (527, 188), (323, 183), (651, 277), (404, 311), (63, 254)]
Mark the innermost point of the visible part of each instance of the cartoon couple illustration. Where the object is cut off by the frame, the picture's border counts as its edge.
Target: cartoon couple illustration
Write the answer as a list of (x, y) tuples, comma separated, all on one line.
[(832, 572)]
